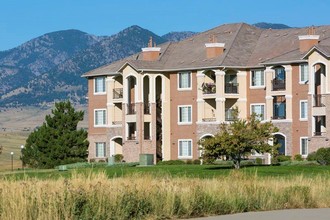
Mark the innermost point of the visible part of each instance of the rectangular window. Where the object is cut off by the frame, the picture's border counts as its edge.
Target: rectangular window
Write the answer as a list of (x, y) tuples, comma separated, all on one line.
[(185, 148), (100, 117), (100, 149), (303, 76), (258, 109), (257, 78), (279, 107), (184, 81), (303, 109), (184, 113), (99, 85), (304, 146)]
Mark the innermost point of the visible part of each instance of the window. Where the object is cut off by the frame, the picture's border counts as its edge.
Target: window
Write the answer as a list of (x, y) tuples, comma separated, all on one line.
[(257, 78), (100, 117), (304, 146), (100, 149), (303, 76), (279, 107), (99, 85), (303, 109), (280, 73), (258, 109), (185, 150), (184, 80), (184, 114)]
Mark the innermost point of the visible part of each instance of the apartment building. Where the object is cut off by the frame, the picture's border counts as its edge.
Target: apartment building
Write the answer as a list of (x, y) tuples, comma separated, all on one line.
[(165, 99)]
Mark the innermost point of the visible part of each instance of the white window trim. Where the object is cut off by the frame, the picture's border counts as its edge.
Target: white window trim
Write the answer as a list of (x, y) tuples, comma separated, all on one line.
[(300, 118), (304, 156), (185, 123), (185, 157), (178, 76), (105, 89), (300, 81), (257, 87), (105, 148), (264, 115), (106, 121)]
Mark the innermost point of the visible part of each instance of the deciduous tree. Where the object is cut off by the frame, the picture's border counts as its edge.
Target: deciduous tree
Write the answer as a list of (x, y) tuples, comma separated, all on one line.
[(239, 138), (57, 141)]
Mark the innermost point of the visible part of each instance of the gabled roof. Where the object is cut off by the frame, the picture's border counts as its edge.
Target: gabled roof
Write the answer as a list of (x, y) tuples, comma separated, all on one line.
[(245, 46)]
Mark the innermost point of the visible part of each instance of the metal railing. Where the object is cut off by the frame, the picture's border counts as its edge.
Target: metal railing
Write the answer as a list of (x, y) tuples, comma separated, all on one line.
[(319, 133), (118, 93), (278, 84), (318, 101), (231, 88), (131, 109), (209, 88)]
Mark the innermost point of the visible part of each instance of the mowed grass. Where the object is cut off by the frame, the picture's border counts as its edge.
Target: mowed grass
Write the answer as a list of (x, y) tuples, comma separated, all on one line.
[(189, 171)]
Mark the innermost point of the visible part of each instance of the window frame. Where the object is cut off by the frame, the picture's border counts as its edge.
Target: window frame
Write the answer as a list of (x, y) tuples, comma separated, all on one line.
[(99, 92), (259, 104), (191, 149), (190, 76), (191, 114), (304, 155), (300, 72), (301, 118), (251, 79), (104, 150), (100, 125)]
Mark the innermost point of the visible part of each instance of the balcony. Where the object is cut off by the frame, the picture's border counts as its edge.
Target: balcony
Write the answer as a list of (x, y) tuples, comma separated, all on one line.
[(278, 84), (279, 117), (131, 138), (318, 101), (209, 119), (231, 88), (319, 133), (118, 93), (229, 115), (131, 109), (209, 88), (146, 109)]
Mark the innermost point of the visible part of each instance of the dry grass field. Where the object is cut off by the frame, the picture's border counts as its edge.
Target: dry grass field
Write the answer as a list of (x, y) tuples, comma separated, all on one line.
[(15, 126)]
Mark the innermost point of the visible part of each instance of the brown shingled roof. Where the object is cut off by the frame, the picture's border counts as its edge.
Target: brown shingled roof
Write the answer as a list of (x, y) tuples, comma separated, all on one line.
[(245, 46)]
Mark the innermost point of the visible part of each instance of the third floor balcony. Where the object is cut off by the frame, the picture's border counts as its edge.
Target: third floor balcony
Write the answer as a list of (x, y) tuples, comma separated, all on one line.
[(278, 84), (231, 88), (117, 93)]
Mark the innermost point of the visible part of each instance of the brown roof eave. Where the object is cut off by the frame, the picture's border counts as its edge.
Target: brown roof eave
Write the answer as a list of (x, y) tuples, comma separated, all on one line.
[(282, 62), (315, 48), (101, 74)]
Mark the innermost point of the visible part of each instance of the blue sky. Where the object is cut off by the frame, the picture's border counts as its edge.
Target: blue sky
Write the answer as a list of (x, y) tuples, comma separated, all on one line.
[(22, 20)]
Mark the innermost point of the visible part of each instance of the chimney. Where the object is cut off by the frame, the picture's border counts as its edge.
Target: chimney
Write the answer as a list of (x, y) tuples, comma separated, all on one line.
[(150, 53), (214, 49), (306, 42)]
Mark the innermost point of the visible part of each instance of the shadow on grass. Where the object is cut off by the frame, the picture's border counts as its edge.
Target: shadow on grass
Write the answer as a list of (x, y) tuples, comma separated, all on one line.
[(229, 167)]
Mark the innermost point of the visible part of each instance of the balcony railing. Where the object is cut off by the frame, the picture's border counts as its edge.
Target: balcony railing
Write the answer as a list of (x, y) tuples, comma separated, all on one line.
[(116, 122), (118, 93), (231, 88), (208, 119), (276, 117), (209, 88), (318, 101), (319, 133), (278, 84), (229, 115), (131, 109), (146, 109), (147, 137), (131, 138)]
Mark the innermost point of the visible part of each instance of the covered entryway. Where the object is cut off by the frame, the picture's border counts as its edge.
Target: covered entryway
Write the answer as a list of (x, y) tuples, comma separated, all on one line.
[(116, 145), (280, 139)]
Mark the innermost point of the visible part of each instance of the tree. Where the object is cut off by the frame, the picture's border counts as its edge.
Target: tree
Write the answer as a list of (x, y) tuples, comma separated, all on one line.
[(1, 149), (239, 139), (57, 141)]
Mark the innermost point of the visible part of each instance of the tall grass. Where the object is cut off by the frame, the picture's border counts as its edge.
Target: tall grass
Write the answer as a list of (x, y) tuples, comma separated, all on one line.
[(143, 196)]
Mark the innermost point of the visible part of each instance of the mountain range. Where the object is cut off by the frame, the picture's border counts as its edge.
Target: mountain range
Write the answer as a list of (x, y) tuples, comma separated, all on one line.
[(49, 67)]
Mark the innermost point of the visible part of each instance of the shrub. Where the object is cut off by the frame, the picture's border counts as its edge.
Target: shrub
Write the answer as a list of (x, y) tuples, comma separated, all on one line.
[(258, 161), (101, 161), (92, 160), (189, 162), (171, 162), (298, 157), (248, 162), (282, 158), (118, 158), (311, 156), (323, 156), (196, 161)]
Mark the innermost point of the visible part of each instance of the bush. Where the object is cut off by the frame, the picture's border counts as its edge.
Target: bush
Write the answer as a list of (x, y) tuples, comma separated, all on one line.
[(258, 161), (118, 158), (323, 156), (171, 162), (189, 162), (311, 156), (282, 158), (196, 161), (298, 157), (248, 163)]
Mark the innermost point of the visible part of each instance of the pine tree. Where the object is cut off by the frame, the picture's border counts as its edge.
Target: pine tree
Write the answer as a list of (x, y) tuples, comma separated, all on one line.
[(57, 141)]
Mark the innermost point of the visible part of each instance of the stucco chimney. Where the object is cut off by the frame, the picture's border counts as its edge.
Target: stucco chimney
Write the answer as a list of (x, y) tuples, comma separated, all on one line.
[(306, 42), (150, 53), (214, 49)]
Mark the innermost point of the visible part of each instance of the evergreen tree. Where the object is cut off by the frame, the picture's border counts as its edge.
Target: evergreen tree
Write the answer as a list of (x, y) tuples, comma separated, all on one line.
[(57, 141), (239, 139)]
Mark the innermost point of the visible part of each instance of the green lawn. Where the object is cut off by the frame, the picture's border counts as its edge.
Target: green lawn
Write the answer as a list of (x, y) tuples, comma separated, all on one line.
[(196, 171)]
